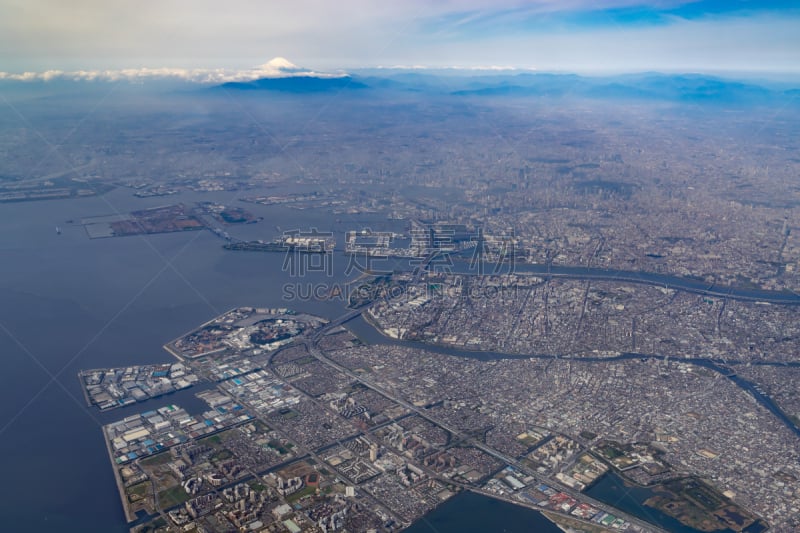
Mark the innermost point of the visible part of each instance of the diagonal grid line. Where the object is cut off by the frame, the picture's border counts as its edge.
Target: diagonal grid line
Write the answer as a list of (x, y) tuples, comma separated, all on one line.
[(55, 377), (260, 125), (326, 104), (36, 360), (170, 263), (761, 127), (340, 91), (54, 148)]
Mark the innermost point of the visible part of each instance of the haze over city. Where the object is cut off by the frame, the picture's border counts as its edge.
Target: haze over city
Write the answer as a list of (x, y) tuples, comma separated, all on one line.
[(400, 266)]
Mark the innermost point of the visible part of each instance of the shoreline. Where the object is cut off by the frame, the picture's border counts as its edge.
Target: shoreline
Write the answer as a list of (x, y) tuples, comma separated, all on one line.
[(84, 390), (129, 516)]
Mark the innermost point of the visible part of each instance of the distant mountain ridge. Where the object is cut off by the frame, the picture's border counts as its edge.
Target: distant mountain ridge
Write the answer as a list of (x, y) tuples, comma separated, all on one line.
[(685, 88), (296, 84), (279, 75), (681, 87)]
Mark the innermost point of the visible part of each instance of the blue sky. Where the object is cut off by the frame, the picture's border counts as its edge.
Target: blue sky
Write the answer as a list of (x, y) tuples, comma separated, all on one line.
[(547, 35), (581, 16)]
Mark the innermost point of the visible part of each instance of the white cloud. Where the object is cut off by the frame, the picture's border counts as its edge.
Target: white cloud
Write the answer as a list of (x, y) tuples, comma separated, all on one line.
[(97, 34), (275, 68)]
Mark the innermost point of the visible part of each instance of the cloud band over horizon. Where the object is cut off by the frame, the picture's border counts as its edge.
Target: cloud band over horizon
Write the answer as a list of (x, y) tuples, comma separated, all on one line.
[(85, 38)]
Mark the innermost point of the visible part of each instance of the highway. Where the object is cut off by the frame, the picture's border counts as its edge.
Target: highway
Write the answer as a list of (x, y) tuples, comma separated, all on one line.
[(317, 353), (551, 271)]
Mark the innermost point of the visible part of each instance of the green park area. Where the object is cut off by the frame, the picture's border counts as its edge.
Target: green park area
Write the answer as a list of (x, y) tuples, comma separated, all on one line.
[(698, 505)]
